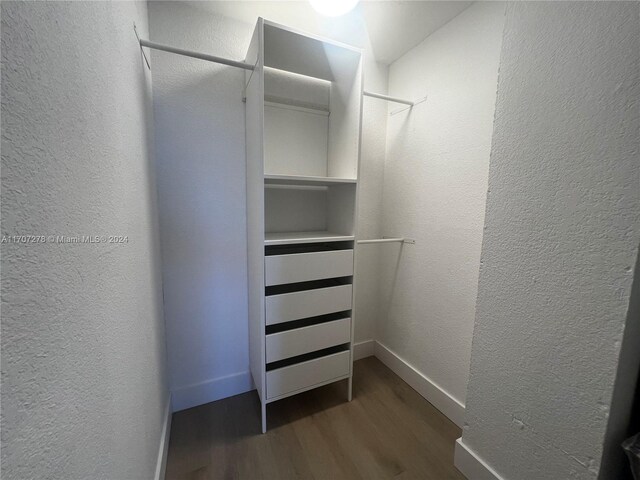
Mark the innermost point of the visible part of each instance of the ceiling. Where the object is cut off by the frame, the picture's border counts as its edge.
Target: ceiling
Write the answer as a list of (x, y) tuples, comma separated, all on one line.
[(387, 28), (395, 27)]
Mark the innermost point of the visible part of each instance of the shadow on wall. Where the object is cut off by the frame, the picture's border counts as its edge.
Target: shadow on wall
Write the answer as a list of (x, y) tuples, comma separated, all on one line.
[(391, 259), (389, 278), (624, 419), (402, 131), (199, 118), (154, 250)]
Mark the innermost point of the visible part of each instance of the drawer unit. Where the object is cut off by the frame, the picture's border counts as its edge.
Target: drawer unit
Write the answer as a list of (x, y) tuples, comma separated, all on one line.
[(307, 303), (303, 267), (307, 339), (306, 375)]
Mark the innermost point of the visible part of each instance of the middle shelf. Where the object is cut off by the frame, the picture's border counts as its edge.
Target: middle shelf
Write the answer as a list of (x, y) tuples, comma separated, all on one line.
[(288, 238), (306, 180), (306, 214)]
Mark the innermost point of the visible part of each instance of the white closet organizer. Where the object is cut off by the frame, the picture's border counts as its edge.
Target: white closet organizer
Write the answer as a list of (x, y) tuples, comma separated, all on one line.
[(303, 117)]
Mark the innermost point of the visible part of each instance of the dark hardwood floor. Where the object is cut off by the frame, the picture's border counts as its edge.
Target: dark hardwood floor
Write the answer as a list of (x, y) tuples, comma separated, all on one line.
[(387, 431)]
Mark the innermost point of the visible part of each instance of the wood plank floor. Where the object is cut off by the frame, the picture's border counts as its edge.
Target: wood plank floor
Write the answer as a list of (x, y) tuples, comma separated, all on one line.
[(387, 431)]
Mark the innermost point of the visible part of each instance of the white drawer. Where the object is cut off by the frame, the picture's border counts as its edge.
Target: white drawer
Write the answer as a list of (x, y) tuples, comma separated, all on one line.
[(307, 339), (307, 303), (303, 267), (305, 375)]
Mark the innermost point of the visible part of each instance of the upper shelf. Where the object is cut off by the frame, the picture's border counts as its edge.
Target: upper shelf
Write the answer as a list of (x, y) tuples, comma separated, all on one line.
[(306, 180), (286, 238), (291, 50)]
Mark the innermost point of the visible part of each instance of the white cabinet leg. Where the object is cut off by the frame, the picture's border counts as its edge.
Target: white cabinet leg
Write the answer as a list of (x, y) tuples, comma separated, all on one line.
[(264, 417), (350, 389)]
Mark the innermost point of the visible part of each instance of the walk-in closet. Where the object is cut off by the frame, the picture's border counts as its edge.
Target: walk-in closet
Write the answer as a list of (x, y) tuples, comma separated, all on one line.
[(320, 240)]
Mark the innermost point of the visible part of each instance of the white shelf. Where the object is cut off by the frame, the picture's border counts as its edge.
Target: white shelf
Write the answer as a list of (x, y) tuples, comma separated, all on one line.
[(308, 107), (286, 238), (306, 180)]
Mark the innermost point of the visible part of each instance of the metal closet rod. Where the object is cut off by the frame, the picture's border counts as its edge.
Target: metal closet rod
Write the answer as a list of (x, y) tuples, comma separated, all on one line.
[(388, 98), (243, 65), (190, 53), (387, 240)]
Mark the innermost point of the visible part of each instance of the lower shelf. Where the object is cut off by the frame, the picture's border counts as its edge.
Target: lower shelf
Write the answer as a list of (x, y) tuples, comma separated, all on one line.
[(303, 376)]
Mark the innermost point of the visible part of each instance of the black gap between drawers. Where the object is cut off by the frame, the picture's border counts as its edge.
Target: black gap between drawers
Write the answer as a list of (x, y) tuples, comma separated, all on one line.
[(307, 356), (302, 286), (306, 248), (306, 322)]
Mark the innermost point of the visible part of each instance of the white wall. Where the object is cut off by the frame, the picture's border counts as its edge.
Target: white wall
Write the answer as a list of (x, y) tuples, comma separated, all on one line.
[(199, 125), (369, 215), (561, 239), (83, 353), (435, 183), (199, 132)]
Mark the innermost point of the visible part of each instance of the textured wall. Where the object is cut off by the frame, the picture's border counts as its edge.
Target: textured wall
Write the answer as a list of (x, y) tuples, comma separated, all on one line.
[(83, 388), (435, 184), (199, 131), (561, 239)]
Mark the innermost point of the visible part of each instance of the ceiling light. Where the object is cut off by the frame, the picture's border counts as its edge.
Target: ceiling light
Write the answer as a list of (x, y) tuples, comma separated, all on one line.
[(333, 8)]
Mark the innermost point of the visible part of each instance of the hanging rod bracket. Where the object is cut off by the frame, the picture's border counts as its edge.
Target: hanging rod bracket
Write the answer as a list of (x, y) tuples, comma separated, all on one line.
[(402, 109), (388, 98), (135, 29), (410, 241)]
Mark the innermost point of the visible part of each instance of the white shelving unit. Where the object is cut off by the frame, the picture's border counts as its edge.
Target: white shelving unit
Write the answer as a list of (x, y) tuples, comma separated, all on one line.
[(303, 121)]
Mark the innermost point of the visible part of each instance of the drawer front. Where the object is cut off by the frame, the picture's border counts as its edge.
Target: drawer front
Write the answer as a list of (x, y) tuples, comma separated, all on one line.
[(305, 375), (307, 339), (308, 303), (304, 267)]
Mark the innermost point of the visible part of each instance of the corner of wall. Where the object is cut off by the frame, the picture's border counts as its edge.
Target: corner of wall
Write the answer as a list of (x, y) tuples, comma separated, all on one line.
[(433, 393), (163, 448), (625, 389), (363, 349), (211, 390), (471, 465)]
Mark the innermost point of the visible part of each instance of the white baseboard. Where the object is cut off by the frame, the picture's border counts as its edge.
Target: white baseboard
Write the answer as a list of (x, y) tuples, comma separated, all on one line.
[(434, 394), (161, 463), (363, 349), (223, 387), (471, 465), (211, 390)]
